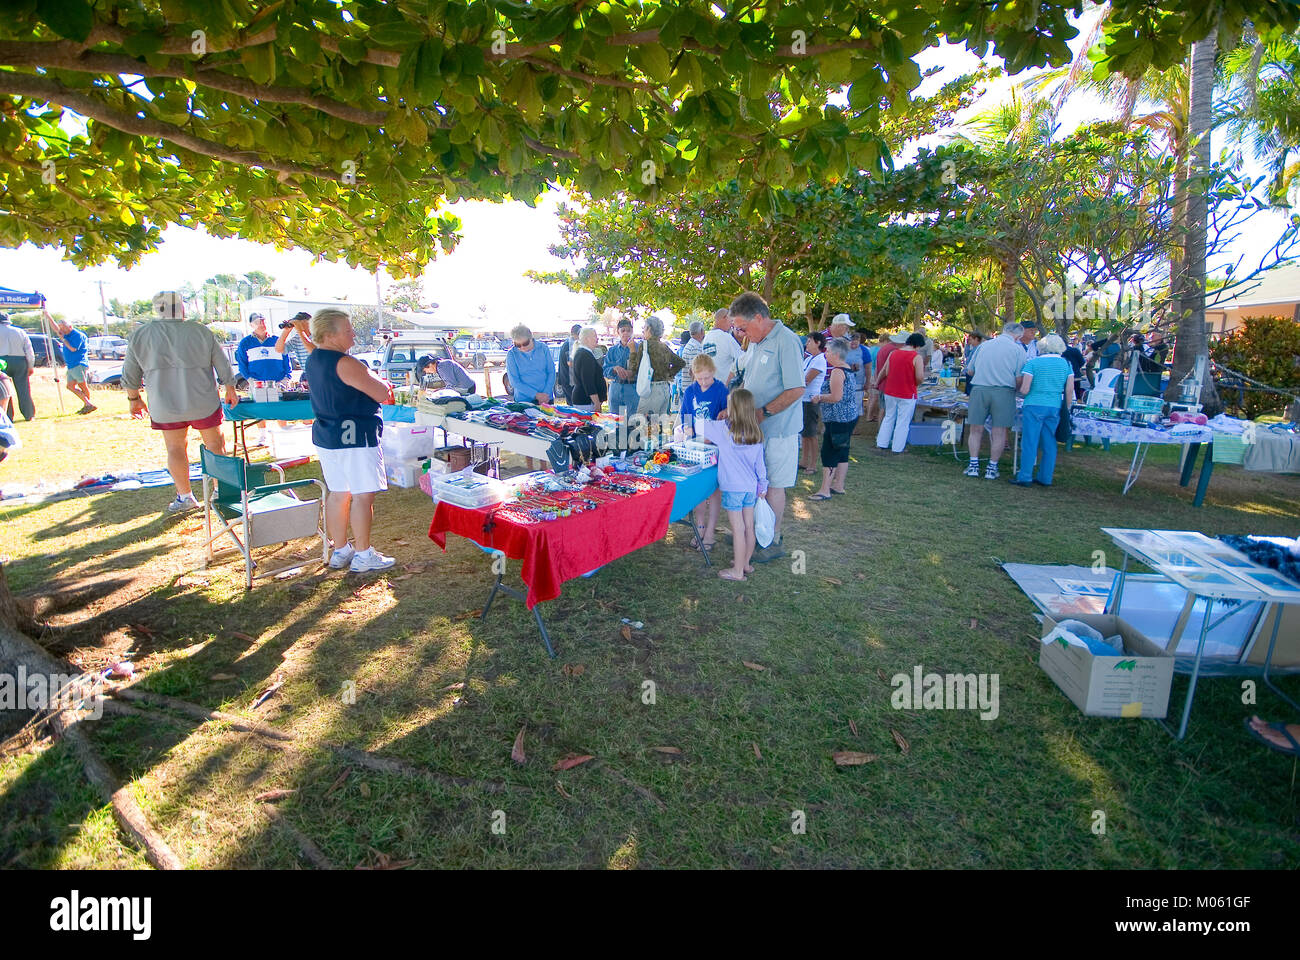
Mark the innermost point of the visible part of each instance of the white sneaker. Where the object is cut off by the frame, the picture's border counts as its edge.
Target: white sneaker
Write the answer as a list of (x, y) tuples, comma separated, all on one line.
[(341, 557), (369, 560), (181, 504), (972, 468)]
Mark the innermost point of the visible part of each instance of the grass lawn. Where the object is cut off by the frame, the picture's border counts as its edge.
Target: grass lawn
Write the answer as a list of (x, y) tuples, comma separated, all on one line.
[(903, 571)]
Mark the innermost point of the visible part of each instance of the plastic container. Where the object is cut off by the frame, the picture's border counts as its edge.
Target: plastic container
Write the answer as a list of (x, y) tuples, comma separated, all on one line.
[(403, 472), (264, 391), (1228, 448), (403, 441), (467, 489), (692, 451), (925, 434), (292, 441)]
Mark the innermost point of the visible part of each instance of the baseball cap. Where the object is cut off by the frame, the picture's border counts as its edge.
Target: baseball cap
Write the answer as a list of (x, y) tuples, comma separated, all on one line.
[(899, 338), (255, 316), (841, 318)]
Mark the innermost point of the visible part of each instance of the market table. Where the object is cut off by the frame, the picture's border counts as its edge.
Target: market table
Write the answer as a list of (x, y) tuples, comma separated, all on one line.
[(556, 551), (246, 411), (1206, 569), (494, 438), (1188, 435)]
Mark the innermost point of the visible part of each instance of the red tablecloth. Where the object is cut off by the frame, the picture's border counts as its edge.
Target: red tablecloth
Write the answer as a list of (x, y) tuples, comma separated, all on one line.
[(558, 550)]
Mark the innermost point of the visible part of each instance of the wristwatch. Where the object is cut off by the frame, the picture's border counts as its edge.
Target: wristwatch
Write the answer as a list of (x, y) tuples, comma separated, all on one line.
[(765, 411)]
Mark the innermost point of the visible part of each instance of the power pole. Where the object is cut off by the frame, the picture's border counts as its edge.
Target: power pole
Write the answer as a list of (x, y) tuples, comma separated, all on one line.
[(103, 310), (379, 301)]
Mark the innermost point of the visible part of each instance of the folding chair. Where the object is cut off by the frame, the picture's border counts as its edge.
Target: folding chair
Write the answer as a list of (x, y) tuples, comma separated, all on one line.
[(264, 513)]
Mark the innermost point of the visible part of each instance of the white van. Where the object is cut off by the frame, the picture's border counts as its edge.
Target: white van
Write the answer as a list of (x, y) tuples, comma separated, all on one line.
[(106, 348)]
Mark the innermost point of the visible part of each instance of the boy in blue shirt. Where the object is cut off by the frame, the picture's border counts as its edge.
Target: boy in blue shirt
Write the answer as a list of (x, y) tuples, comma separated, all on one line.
[(73, 344)]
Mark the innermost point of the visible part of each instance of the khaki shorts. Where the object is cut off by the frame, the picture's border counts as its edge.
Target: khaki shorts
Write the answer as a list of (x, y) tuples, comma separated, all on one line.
[(781, 457), (77, 374), (812, 420), (997, 402)]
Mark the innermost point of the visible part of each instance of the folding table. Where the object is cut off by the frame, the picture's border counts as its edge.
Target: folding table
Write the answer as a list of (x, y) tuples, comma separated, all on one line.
[(1209, 569), (246, 411)]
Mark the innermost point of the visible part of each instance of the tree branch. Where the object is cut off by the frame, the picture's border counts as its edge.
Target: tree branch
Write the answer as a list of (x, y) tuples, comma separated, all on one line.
[(49, 91)]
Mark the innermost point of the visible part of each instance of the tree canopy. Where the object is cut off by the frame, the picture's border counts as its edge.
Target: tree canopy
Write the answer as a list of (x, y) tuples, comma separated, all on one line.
[(345, 128)]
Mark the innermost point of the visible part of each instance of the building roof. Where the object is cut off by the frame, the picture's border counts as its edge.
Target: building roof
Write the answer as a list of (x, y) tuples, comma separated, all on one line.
[(1278, 285)]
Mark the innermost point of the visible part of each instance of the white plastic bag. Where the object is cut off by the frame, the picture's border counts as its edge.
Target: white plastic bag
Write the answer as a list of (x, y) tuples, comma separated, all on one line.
[(1073, 632), (764, 522), (644, 374)]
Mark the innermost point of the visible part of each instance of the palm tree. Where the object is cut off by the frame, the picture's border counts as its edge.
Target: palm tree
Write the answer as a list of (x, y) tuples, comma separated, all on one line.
[(1264, 107)]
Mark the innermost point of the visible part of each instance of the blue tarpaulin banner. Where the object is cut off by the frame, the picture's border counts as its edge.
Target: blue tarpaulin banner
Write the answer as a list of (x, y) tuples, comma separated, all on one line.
[(16, 298)]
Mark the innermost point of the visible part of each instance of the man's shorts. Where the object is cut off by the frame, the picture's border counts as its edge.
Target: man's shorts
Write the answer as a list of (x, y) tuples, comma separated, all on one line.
[(353, 470), (999, 402), (77, 374), (738, 500), (212, 420), (812, 420), (781, 456)]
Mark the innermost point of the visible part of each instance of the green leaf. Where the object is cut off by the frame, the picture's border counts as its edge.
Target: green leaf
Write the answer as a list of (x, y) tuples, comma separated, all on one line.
[(428, 70), (73, 19), (352, 50), (399, 33)]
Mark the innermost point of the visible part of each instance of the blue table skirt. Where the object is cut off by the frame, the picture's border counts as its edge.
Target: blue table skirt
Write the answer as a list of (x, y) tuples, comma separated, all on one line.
[(278, 410), (693, 491)]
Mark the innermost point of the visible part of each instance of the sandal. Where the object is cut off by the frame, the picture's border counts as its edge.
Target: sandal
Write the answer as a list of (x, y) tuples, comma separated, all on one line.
[(1279, 727), (696, 543), (723, 575), (839, 493), (820, 496)]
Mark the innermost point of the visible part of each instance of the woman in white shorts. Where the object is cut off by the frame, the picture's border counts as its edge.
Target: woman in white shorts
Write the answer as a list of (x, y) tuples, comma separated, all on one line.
[(345, 397)]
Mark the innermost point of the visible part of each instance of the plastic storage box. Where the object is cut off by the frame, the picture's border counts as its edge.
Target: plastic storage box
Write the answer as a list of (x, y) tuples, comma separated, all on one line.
[(692, 451), (403, 441), (468, 489), (403, 472), (290, 442), (925, 434)]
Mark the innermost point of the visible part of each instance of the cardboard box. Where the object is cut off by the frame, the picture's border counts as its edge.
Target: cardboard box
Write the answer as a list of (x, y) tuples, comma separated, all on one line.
[(1135, 685)]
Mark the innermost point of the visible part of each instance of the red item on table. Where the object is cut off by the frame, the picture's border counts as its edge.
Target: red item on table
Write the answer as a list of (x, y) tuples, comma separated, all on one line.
[(560, 550)]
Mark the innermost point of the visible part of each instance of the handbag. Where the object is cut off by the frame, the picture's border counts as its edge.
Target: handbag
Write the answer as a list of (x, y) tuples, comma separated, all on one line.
[(1063, 426), (644, 373)]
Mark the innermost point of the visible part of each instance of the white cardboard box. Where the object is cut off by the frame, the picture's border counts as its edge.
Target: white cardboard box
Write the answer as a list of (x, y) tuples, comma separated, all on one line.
[(1134, 685)]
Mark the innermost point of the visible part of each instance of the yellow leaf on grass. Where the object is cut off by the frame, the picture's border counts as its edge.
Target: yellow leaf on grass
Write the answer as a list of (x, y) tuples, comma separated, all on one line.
[(832, 580), (851, 758), (573, 669), (758, 753), (569, 761), (672, 750), (753, 666), (902, 742), (517, 752)]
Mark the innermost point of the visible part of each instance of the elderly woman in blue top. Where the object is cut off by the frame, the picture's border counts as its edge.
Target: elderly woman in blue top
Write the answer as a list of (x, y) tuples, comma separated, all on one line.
[(1044, 380), (345, 397), (530, 367)]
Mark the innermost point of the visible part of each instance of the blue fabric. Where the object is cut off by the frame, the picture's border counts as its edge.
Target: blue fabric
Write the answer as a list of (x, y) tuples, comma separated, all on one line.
[(849, 406), (263, 362), (616, 356), (691, 492), (623, 399), (1050, 373), (279, 410), (531, 373), (76, 356), (454, 375), (703, 403), (345, 417), (1038, 438)]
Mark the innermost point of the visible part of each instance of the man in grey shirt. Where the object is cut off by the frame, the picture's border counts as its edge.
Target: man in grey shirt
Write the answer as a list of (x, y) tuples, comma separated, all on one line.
[(176, 358), (995, 372), (16, 351), (773, 372)]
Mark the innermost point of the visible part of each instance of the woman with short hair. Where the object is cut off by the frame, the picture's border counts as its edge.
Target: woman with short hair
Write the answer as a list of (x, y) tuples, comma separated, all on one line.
[(841, 405), (1044, 382), (588, 377), (814, 375), (345, 399), (898, 379), (664, 365)]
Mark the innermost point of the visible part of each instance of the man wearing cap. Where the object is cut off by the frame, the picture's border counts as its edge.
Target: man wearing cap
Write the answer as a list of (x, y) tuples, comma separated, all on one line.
[(774, 375), (258, 356), (295, 339), (994, 370), (73, 344), (176, 358), (1029, 338), (720, 343), (16, 351)]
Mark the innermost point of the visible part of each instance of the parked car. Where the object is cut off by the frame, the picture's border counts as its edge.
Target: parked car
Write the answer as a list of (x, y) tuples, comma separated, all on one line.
[(399, 354), (106, 376), (479, 352), (41, 348), (373, 359), (106, 348)]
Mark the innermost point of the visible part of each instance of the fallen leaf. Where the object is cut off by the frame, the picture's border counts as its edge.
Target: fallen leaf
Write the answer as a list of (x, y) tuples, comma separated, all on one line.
[(853, 726), (753, 666), (832, 580), (405, 576), (339, 782), (564, 793), (573, 669), (672, 750), (402, 543), (141, 628), (626, 631), (902, 742), (245, 637), (517, 752), (468, 614), (414, 567), (859, 576), (758, 753), (454, 686), (851, 758), (973, 623), (384, 862), (364, 788), (689, 626), (222, 676), (571, 760), (273, 795), (881, 674)]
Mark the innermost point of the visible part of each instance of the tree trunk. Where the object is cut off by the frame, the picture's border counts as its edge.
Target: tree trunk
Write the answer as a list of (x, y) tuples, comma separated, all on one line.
[(1193, 341), (1007, 292)]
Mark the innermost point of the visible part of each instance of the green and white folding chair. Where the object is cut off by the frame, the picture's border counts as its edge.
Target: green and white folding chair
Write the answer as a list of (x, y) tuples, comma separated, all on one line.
[(263, 513)]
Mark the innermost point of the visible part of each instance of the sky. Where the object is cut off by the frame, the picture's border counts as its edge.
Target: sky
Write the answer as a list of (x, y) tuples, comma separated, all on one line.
[(500, 242)]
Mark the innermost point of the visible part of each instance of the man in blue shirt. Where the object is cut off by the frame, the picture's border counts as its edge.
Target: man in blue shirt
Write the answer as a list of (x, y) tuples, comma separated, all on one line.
[(257, 355), (530, 368), (622, 389), (73, 342)]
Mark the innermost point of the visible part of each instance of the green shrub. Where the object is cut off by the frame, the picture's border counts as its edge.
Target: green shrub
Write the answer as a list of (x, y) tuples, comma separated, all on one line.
[(1266, 349)]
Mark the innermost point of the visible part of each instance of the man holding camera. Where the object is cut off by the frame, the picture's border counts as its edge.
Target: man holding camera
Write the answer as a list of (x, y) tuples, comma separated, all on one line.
[(300, 349)]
